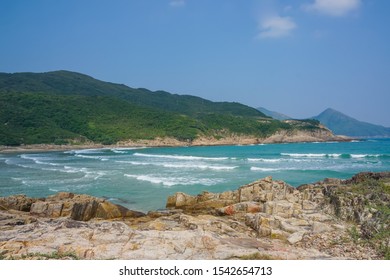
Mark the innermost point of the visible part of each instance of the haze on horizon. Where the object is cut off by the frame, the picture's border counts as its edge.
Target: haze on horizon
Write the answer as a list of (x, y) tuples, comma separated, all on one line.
[(294, 57)]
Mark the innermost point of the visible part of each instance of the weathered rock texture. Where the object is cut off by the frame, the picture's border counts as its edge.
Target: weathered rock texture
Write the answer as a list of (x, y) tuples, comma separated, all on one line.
[(272, 208), (79, 207), (265, 219)]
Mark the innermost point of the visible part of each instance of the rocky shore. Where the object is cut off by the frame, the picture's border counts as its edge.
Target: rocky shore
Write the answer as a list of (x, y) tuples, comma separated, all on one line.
[(320, 135), (267, 219)]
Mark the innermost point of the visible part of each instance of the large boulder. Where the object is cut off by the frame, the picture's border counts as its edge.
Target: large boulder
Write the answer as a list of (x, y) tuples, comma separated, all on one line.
[(78, 207), (16, 202), (180, 200), (203, 201), (259, 192)]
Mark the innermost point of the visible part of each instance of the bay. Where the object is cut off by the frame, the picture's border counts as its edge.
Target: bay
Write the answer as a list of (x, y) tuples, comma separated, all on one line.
[(143, 178)]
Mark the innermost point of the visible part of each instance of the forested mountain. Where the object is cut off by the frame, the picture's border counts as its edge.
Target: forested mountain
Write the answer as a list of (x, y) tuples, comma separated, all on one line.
[(71, 83), (65, 107)]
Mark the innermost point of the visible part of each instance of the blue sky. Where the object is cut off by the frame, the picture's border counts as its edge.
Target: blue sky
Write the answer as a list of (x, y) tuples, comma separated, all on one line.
[(296, 57)]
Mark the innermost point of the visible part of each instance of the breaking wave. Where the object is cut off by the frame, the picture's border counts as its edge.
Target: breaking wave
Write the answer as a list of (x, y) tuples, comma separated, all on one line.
[(173, 181), (181, 165), (321, 155), (180, 157), (267, 169)]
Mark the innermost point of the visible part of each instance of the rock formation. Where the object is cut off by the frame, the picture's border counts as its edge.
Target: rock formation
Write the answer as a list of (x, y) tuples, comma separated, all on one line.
[(79, 207), (331, 219)]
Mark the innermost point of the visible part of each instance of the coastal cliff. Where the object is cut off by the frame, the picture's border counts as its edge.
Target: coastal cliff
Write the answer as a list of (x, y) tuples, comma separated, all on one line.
[(267, 219)]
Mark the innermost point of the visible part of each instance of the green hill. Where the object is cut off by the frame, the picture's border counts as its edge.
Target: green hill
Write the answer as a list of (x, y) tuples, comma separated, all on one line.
[(71, 83), (64, 107), (342, 124)]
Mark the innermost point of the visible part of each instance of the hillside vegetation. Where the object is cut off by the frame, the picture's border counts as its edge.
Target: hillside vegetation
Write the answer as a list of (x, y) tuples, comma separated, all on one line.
[(63, 107)]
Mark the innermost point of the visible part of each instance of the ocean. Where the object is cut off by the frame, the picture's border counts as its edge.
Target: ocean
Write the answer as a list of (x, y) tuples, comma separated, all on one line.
[(142, 178)]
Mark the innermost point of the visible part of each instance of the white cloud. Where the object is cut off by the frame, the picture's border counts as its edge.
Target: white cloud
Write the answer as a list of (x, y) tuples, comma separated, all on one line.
[(177, 3), (276, 27), (333, 7)]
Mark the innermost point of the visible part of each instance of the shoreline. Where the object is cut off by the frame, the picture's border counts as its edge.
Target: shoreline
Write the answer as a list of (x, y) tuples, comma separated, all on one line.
[(265, 219), (172, 142)]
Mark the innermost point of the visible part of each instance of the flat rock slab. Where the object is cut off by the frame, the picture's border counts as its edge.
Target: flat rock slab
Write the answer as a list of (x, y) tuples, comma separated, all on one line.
[(295, 237)]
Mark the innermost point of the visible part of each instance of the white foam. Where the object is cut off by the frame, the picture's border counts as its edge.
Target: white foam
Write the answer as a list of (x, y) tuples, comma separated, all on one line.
[(303, 155), (9, 162), (17, 179), (198, 166), (36, 165), (180, 157), (134, 162), (32, 182), (280, 160), (362, 156), (334, 155), (369, 155), (84, 156), (31, 157), (155, 180), (70, 169), (24, 182), (253, 168), (173, 181), (266, 169), (26, 156), (94, 175), (86, 151), (88, 174), (39, 159), (118, 151), (101, 158), (69, 188), (265, 159), (181, 165), (124, 150), (47, 163)]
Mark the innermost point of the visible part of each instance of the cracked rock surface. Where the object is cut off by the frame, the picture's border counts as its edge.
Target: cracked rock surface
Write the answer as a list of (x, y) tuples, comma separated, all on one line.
[(265, 219)]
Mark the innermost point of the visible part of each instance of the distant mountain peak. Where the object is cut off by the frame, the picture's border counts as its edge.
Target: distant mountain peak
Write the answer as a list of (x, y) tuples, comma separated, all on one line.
[(273, 114), (343, 124), (330, 110), (333, 111)]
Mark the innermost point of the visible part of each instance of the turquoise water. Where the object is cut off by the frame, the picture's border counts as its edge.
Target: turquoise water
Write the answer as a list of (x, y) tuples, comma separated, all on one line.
[(142, 179)]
